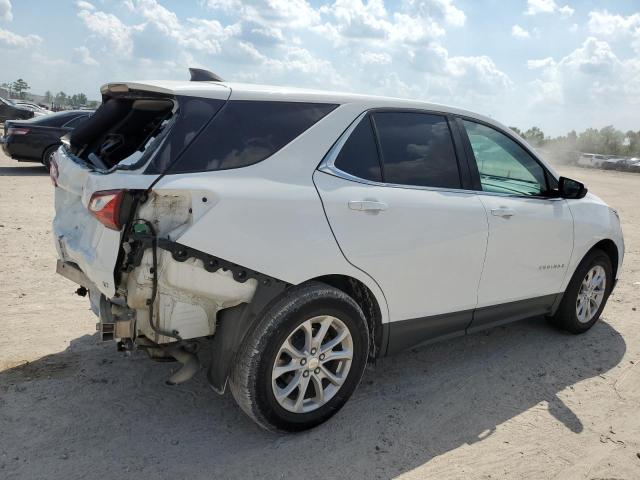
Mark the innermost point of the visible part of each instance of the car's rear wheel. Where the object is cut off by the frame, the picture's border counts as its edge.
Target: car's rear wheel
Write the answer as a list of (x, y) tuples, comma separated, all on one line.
[(47, 156), (587, 294), (303, 360)]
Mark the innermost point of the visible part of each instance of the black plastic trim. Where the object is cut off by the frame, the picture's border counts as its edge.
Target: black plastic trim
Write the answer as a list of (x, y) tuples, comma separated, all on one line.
[(419, 331), (408, 333)]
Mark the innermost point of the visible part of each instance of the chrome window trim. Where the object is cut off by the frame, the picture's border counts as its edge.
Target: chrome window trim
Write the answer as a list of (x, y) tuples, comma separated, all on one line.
[(327, 165)]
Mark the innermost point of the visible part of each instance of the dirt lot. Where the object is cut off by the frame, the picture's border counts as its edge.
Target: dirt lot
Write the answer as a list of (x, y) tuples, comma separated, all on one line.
[(521, 401)]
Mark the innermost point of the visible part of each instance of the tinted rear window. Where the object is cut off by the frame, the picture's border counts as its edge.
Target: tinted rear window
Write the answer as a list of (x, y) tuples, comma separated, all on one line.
[(74, 122), (359, 155), (54, 119), (246, 132), (417, 149)]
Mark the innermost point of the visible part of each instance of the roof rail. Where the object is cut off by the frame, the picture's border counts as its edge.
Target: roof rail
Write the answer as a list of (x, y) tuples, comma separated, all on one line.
[(202, 75)]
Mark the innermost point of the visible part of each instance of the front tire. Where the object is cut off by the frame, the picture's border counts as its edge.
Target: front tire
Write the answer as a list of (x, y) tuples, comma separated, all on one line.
[(586, 295), (304, 359)]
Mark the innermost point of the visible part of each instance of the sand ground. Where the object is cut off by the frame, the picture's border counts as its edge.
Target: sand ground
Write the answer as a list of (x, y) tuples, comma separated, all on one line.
[(520, 401)]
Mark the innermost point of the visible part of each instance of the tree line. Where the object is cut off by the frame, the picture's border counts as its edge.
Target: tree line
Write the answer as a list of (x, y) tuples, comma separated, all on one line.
[(58, 101), (605, 141)]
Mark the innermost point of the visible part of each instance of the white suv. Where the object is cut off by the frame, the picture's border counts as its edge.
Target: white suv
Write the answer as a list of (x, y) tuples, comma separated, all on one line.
[(298, 234)]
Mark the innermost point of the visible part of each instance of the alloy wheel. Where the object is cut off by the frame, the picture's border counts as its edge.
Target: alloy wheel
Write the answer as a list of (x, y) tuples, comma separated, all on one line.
[(591, 294), (312, 364)]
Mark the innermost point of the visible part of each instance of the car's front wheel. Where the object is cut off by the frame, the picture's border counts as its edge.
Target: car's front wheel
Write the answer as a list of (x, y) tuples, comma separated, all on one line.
[(303, 360), (587, 293)]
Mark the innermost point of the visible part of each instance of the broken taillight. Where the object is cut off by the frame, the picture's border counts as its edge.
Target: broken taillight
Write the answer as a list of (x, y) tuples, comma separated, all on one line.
[(105, 206)]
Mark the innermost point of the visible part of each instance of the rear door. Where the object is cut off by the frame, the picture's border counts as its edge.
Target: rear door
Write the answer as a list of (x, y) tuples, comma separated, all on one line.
[(530, 229), (394, 196)]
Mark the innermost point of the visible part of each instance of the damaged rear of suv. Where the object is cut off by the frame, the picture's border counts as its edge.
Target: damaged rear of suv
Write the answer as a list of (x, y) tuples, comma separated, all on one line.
[(169, 222)]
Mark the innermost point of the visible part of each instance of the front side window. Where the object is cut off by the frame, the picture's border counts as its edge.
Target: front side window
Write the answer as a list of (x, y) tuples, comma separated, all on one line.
[(417, 149), (504, 166)]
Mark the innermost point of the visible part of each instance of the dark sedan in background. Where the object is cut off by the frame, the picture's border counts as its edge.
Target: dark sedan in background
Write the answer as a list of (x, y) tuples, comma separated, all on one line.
[(37, 139)]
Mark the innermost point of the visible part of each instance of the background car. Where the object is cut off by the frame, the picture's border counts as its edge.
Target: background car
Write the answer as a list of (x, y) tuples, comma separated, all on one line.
[(37, 139), (35, 108), (10, 111)]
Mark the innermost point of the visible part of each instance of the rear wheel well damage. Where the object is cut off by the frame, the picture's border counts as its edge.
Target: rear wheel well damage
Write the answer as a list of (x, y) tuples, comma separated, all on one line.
[(366, 300), (234, 324)]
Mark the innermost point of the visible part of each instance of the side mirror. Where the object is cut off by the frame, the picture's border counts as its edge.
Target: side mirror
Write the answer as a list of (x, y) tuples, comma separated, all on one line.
[(569, 188)]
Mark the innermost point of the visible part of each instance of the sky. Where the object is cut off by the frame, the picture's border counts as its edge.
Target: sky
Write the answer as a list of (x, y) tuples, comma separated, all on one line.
[(556, 65)]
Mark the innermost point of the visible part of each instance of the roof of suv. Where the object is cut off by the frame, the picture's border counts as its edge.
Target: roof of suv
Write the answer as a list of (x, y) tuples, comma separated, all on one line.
[(249, 91)]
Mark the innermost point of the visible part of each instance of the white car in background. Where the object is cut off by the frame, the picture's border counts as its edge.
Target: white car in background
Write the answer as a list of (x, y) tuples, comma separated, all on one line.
[(37, 110), (592, 160), (302, 233)]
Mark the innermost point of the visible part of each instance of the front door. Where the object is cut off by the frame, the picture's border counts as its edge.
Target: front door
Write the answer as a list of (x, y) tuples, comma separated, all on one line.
[(530, 231)]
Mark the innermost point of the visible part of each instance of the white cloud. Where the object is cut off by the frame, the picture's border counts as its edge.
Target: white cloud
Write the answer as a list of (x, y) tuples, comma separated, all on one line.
[(81, 4), (519, 32), (573, 28), (279, 13), (535, 7), (592, 77), (14, 40), (540, 63), (615, 26), (437, 8), (373, 58), (197, 34), (5, 10), (108, 27), (608, 24), (566, 11), (83, 56)]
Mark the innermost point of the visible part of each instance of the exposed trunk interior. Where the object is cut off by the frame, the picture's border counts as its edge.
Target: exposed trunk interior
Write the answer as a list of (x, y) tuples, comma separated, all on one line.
[(119, 128)]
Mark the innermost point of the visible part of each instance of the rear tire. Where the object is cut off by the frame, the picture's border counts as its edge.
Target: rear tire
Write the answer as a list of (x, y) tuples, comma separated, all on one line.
[(298, 335), (586, 295), (47, 156)]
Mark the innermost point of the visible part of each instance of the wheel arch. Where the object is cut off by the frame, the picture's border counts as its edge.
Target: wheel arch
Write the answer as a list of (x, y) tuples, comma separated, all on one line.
[(369, 304), (609, 247), (45, 149)]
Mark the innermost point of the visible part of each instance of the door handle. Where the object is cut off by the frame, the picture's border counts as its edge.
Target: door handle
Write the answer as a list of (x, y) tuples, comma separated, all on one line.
[(367, 205), (503, 212)]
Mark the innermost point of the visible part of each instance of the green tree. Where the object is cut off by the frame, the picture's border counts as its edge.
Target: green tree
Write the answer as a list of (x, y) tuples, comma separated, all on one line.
[(61, 99), (633, 146), (8, 88), (79, 99), (21, 87), (611, 141), (589, 141), (518, 131), (48, 97), (535, 136)]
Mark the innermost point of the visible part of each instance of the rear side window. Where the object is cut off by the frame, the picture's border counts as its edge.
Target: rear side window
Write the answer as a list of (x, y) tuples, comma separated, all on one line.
[(417, 149), (246, 132), (359, 154), (76, 121), (54, 119)]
